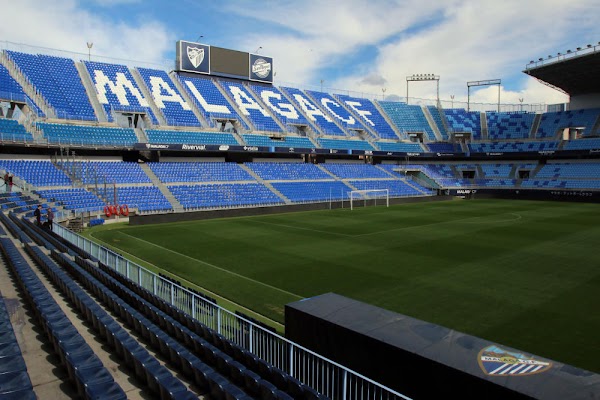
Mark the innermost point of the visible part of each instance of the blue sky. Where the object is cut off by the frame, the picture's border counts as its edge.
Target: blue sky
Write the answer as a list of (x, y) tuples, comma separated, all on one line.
[(354, 45)]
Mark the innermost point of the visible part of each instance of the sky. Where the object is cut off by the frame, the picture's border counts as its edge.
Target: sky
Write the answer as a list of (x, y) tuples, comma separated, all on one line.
[(356, 45)]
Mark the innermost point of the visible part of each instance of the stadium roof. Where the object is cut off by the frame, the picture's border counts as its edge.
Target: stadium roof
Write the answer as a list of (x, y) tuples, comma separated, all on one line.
[(574, 73)]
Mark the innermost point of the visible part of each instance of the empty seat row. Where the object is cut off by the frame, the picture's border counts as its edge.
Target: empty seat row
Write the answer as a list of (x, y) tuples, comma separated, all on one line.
[(88, 373), (185, 361), (245, 369), (147, 369), (14, 378)]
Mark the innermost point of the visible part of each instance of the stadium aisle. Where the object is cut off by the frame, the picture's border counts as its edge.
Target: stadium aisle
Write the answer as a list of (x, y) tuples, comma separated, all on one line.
[(49, 378)]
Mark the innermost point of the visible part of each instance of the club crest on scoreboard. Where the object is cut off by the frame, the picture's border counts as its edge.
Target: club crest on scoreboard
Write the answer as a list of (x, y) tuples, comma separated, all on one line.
[(195, 55), (496, 361)]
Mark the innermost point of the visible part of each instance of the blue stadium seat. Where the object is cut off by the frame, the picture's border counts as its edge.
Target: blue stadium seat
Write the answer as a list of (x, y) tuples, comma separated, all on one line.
[(337, 111), (190, 137), (280, 106), (170, 172), (315, 115), (38, 173), (366, 111), (437, 118), (509, 125), (552, 122), (87, 135), (252, 109), (58, 80), (408, 118), (209, 100), (9, 88), (461, 120), (287, 171), (224, 195), (117, 90), (176, 110), (404, 147), (12, 131), (355, 171)]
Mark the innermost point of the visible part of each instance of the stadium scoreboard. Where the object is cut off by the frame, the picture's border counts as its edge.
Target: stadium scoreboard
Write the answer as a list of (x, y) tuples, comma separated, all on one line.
[(217, 61)]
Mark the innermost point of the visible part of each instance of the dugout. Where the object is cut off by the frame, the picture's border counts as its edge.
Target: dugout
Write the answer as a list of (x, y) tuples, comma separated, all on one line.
[(424, 360)]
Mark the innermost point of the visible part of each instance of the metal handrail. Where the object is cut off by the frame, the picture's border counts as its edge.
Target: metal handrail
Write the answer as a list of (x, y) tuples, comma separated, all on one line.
[(345, 383)]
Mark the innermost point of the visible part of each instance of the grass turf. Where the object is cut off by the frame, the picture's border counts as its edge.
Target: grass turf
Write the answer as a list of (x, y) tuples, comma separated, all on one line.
[(521, 273)]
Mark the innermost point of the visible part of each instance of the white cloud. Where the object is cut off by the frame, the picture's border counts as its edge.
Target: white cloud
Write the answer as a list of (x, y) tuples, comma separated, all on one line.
[(64, 25), (112, 3), (482, 40), (323, 33), (460, 40)]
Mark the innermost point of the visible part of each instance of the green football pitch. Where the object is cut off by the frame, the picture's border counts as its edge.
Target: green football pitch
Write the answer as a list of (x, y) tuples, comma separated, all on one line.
[(520, 273)]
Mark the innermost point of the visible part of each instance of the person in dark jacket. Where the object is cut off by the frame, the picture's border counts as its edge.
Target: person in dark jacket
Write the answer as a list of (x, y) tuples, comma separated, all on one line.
[(38, 215), (50, 216)]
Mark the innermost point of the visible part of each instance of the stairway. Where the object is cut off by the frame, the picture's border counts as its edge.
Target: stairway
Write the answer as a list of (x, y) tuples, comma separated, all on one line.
[(408, 181), (267, 184), (90, 90), (160, 117), (443, 117), (141, 135), (431, 122), (177, 207), (480, 174), (536, 170), (484, 126), (535, 126), (233, 104), (266, 108), (513, 172), (595, 128), (204, 121), (314, 128), (28, 88)]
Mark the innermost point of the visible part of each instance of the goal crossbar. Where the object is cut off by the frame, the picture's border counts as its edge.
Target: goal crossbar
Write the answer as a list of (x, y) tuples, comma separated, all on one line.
[(369, 194)]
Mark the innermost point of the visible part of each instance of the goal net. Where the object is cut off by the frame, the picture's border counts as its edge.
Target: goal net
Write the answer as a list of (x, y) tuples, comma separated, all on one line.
[(370, 197)]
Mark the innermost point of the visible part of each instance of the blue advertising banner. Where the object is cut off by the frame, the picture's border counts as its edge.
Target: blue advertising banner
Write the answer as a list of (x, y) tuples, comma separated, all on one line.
[(193, 57), (261, 68)]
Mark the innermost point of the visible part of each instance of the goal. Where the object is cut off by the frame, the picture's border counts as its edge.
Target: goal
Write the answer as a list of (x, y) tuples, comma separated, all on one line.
[(371, 196)]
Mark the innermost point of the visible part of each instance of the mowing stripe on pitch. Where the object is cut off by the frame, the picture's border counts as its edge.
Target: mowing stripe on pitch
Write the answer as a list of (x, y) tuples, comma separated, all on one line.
[(213, 266), (303, 229), (190, 282)]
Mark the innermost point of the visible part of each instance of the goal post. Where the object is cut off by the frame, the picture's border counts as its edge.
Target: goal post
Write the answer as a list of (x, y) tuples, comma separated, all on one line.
[(370, 194)]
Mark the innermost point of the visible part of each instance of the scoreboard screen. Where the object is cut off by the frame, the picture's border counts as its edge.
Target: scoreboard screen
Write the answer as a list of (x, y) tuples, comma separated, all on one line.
[(204, 59), (229, 63)]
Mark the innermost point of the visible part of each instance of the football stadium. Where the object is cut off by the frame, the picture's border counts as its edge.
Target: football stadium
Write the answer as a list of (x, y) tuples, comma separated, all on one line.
[(207, 233)]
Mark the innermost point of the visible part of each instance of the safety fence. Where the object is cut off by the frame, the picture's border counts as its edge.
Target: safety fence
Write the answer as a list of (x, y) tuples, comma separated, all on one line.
[(326, 376)]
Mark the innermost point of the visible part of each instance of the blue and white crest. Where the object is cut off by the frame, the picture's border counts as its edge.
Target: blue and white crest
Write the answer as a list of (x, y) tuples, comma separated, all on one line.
[(195, 55), (496, 361)]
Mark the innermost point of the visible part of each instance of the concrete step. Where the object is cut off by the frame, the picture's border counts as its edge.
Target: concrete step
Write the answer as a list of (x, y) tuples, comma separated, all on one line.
[(177, 207), (267, 184)]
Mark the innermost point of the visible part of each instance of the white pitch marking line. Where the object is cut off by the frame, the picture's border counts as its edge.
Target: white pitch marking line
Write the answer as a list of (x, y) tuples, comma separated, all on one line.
[(183, 279), (304, 229), (214, 266), (440, 223)]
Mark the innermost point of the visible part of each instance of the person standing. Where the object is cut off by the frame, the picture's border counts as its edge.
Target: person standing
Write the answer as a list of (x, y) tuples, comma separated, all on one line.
[(10, 182), (6, 181), (38, 215), (50, 215)]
